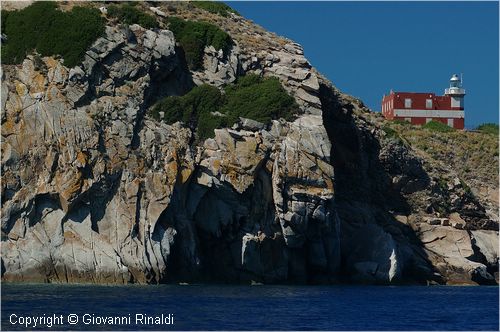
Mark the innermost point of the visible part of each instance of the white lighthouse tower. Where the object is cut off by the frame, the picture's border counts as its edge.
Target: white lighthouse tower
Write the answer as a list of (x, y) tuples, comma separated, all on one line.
[(456, 92)]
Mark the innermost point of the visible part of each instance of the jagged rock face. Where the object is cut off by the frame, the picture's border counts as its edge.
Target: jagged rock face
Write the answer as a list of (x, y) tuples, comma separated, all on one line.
[(82, 201), (95, 191), (384, 192)]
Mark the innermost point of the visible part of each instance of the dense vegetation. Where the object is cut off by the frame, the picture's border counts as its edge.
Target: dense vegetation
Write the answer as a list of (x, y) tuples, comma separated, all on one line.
[(205, 108), (126, 13), (49, 31), (194, 36), (437, 126), (488, 128), (5, 14), (259, 99), (215, 7)]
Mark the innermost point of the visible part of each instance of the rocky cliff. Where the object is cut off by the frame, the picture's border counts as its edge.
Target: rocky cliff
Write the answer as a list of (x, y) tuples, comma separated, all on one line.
[(94, 190)]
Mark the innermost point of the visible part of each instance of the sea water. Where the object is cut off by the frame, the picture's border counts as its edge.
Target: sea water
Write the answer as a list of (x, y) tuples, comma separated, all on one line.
[(260, 307)]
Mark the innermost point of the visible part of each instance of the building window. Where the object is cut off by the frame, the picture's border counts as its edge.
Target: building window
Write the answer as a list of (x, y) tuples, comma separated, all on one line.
[(407, 103), (428, 103), (456, 102), (427, 120), (451, 123)]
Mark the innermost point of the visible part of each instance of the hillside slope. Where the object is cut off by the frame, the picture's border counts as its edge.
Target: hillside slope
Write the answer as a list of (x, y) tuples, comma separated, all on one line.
[(96, 189), (472, 155)]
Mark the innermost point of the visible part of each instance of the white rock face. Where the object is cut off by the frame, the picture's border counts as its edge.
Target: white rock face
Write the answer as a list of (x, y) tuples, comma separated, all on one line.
[(78, 187), (487, 242), (454, 246), (98, 193)]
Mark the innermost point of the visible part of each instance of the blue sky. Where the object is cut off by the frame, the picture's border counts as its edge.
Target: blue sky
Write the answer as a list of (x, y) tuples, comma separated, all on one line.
[(367, 48)]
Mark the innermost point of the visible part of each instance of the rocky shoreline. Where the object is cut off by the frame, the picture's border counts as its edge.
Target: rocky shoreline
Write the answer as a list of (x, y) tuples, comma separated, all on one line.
[(95, 191)]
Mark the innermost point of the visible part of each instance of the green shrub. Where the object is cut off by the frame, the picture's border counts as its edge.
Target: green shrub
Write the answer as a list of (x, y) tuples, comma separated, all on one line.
[(437, 126), (443, 184), (401, 122), (128, 14), (207, 122), (205, 108), (215, 7), (245, 81), (171, 107), (258, 99), (49, 31), (390, 132), (196, 109), (488, 128), (194, 36), (5, 14), (203, 99)]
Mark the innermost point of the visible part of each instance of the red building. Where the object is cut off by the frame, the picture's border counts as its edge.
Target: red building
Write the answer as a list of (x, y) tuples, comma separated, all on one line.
[(422, 107)]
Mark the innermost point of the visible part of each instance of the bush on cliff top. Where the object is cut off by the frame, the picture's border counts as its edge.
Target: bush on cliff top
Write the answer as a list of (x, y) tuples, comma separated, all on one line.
[(5, 14), (49, 31), (197, 109), (437, 126), (215, 7), (258, 99), (488, 128), (128, 14), (194, 36), (205, 108)]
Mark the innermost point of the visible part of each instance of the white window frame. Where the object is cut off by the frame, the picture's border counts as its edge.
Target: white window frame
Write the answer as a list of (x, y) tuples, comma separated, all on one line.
[(456, 102), (407, 102), (428, 103)]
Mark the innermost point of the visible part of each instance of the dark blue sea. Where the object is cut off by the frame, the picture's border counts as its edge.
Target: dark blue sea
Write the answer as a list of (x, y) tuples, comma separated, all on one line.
[(172, 307)]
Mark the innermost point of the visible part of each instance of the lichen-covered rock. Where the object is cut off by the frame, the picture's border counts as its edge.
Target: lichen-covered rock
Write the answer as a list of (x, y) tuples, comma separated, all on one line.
[(78, 180), (93, 190), (98, 193)]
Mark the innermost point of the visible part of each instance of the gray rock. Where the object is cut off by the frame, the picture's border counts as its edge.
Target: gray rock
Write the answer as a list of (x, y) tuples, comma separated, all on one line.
[(308, 97), (264, 257), (487, 242), (311, 83), (252, 125), (158, 12), (374, 255), (453, 245), (93, 190)]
